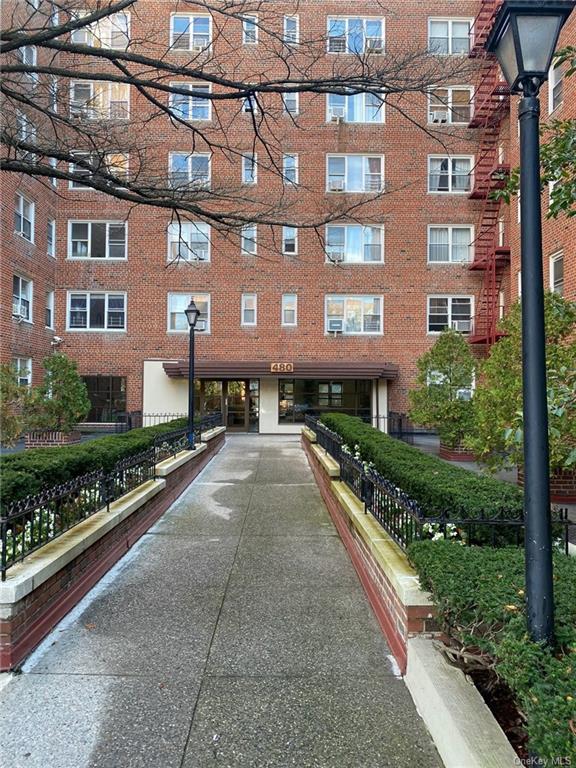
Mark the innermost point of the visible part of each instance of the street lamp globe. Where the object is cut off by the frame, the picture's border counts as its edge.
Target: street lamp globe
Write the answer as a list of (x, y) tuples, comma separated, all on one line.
[(192, 314), (524, 38)]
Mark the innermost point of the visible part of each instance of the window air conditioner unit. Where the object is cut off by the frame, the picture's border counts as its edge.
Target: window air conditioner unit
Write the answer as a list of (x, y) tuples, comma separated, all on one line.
[(439, 117), (198, 253), (374, 45), (336, 185), (461, 325), (198, 48), (335, 326), (336, 114), (335, 255)]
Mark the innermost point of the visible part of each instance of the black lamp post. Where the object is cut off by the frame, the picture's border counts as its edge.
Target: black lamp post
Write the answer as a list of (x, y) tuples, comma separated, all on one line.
[(524, 38), (192, 314)]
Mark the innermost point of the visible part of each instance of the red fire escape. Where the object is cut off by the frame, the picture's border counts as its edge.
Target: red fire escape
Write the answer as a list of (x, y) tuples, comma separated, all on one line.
[(491, 250)]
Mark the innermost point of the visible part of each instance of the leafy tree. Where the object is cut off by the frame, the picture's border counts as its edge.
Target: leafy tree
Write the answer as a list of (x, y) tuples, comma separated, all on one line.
[(61, 401), (498, 428), (445, 376), (11, 396)]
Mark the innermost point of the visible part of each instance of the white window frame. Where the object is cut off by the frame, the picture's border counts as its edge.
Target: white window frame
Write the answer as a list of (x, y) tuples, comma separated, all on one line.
[(448, 107), (451, 298), (330, 253), (366, 158), (50, 307), (97, 31), (250, 161), (450, 174), (285, 110), (191, 101), (53, 163), (451, 228), (100, 101), (244, 308), (252, 241), (353, 297), (555, 77), (25, 293), (175, 228), (26, 132), (24, 381), (201, 184), (347, 19), (286, 298), (107, 295), (19, 211), (337, 113), (286, 180), (205, 331), (554, 259), (192, 46), (450, 20), (51, 238), (30, 60), (250, 29), (285, 238), (72, 166), (288, 40), (90, 222)]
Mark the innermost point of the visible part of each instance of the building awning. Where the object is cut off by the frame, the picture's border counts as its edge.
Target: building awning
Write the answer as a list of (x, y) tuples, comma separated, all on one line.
[(297, 369)]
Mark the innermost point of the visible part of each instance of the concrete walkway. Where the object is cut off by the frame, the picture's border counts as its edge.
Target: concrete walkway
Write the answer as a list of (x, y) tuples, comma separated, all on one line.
[(235, 634)]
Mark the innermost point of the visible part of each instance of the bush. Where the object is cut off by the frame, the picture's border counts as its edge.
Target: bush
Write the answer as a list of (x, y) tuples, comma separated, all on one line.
[(30, 472), (61, 401), (480, 598), (436, 486)]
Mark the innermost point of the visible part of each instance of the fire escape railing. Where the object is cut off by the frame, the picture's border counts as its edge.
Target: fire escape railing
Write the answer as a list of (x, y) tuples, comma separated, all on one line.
[(491, 251)]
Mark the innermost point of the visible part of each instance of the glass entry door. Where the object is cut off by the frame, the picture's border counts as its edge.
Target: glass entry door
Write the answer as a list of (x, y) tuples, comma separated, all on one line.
[(242, 405)]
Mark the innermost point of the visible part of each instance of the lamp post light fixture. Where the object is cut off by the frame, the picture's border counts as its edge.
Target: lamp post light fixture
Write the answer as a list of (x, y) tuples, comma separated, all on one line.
[(524, 38), (192, 314)]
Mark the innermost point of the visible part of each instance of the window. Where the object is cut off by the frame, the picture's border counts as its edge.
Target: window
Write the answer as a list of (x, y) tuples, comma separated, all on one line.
[(248, 239), (250, 104), (23, 368), (51, 238), (189, 241), (189, 170), (97, 239), (289, 240), (248, 308), (438, 379), (355, 173), (22, 298), (449, 174), (355, 35), (291, 103), (289, 309), (290, 168), (53, 163), (450, 244), (24, 218), (353, 314), (27, 56), (89, 311), (26, 133), (110, 32), (291, 30), (450, 105), (190, 33), (93, 101), (250, 30), (557, 273), (49, 319), (249, 169), (555, 87), (450, 312), (354, 244), (449, 36), (196, 106), (298, 397), (177, 303), (107, 396), (113, 163), (356, 108)]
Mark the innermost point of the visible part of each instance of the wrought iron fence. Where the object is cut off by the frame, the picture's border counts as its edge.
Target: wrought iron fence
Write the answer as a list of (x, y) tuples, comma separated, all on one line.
[(404, 519), (170, 443)]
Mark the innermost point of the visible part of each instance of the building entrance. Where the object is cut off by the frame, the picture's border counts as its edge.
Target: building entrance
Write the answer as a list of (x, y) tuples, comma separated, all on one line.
[(241, 405)]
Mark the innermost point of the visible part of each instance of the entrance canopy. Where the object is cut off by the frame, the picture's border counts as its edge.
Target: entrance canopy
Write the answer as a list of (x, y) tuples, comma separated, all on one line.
[(299, 369)]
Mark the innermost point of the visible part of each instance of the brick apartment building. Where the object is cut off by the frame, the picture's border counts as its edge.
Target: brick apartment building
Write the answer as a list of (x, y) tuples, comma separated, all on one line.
[(295, 320)]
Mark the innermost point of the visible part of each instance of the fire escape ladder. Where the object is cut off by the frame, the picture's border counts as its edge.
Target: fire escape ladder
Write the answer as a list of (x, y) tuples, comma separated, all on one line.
[(482, 26), (487, 313)]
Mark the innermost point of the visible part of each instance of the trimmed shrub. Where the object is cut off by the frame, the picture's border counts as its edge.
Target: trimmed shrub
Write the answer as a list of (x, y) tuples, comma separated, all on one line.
[(480, 595), (30, 472), (436, 486)]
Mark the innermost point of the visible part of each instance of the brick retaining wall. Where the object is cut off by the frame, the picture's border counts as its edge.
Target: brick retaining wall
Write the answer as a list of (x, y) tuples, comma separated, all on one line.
[(562, 485)]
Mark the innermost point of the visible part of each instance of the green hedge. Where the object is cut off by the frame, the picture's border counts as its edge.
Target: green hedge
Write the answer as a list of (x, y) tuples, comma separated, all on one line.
[(480, 596), (31, 471), (437, 486)]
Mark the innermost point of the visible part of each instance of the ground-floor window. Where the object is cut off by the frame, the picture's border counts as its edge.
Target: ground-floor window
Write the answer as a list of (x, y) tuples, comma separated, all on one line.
[(297, 397), (107, 397)]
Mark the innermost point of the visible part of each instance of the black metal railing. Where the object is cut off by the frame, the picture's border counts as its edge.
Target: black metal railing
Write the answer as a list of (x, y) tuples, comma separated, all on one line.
[(168, 444), (128, 474), (404, 519)]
